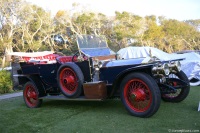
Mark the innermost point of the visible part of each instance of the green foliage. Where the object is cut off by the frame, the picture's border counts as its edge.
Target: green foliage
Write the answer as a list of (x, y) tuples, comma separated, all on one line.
[(34, 27), (179, 35), (126, 26), (5, 82), (177, 28), (88, 23), (85, 18)]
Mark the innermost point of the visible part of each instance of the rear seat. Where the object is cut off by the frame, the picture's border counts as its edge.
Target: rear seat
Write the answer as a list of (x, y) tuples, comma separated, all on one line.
[(51, 57), (64, 59), (47, 59)]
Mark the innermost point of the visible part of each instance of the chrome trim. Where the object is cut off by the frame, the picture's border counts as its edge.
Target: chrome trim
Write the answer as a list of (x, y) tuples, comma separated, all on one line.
[(175, 66), (161, 69)]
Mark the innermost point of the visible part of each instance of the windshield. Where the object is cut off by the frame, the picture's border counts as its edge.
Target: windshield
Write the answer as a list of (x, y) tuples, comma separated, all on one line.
[(93, 45), (91, 41)]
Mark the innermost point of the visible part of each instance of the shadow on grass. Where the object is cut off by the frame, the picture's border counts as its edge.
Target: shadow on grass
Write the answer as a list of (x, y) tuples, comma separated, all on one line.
[(62, 103), (113, 105)]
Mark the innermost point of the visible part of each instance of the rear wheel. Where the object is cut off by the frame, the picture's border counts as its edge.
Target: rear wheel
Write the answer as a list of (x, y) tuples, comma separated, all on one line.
[(31, 95), (140, 94), (181, 91), (70, 80)]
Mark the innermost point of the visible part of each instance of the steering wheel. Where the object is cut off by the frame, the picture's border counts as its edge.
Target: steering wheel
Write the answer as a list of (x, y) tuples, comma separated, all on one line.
[(76, 55)]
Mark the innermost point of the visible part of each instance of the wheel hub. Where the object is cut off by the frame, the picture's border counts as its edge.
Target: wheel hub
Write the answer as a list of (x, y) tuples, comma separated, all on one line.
[(32, 94), (138, 95), (69, 80)]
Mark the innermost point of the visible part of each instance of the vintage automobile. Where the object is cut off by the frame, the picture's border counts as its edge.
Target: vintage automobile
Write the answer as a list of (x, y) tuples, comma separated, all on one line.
[(94, 72)]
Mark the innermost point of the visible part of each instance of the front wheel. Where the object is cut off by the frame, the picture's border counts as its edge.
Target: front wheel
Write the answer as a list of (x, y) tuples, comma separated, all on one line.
[(181, 91), (31, 95), (140, 94)]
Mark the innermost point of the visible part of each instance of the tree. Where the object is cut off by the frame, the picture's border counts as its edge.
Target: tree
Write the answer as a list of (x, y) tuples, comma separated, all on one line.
[(178, 35), (70, 23), (24, 27), (65, 28), (36, 28), (8, 22), (195, 40), (126, 26), (153, 35)]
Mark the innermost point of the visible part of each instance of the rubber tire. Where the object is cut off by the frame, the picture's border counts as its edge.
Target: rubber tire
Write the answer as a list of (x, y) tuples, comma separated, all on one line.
[(183, 94), (79, 76), (38, 101), (154, 89)]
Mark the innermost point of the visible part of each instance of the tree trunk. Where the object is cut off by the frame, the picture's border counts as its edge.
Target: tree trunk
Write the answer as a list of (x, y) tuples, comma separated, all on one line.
[(3, 61), (6, 56)]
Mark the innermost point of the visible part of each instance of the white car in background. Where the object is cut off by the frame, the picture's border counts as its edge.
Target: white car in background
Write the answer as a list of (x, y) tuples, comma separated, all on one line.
[(190, 65)]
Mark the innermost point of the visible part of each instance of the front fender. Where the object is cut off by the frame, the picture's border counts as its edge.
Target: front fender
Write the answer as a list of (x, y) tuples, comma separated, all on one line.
[(121, 75)]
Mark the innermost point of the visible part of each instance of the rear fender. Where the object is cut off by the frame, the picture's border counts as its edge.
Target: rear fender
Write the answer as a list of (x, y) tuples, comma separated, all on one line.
[(120, 76), (36, 80)]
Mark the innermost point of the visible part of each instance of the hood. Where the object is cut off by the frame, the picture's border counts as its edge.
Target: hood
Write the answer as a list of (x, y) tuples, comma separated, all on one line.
[(124, 62)]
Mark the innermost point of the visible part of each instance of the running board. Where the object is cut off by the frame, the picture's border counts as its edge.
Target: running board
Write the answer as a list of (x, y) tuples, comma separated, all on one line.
[(62, 97)]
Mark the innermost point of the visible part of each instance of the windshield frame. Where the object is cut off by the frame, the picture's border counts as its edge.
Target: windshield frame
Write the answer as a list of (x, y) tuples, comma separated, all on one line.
[(93, 45)]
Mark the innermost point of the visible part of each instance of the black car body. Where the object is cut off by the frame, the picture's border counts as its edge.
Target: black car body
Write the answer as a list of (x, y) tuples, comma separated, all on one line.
[(95, 73)]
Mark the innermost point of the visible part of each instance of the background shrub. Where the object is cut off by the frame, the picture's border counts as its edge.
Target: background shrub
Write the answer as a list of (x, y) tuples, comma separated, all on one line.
[(5, 82)]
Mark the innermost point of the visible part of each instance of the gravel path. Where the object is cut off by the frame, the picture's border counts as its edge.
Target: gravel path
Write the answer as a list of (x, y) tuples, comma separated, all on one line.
[(6, 96)]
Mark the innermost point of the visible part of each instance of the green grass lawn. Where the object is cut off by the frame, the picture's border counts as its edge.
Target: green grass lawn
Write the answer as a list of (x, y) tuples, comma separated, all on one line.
[(56, 116)]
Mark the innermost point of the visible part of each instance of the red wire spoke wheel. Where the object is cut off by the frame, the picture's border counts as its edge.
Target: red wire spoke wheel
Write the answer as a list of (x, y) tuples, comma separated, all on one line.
[(70, 80), (181, 92), (31, 95), (140, 94), (137, 95)]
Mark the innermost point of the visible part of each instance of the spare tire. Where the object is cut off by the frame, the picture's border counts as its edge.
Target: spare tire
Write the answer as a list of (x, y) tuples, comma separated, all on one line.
[(70, 80)]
